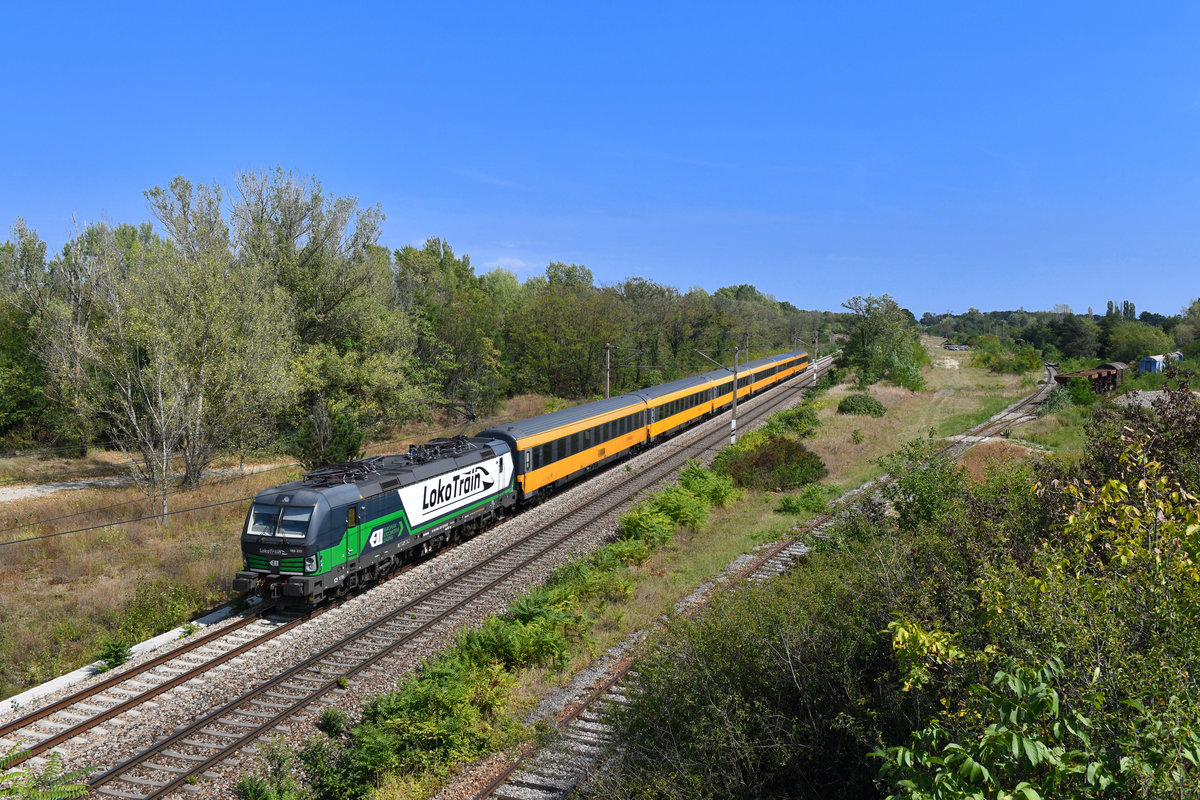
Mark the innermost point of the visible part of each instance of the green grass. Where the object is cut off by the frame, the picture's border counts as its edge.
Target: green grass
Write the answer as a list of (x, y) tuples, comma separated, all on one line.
[(1061, 432), (960, 423)]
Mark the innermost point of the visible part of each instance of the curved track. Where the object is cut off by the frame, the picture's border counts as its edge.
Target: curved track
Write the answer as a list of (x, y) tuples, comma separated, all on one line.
[(553, 771)]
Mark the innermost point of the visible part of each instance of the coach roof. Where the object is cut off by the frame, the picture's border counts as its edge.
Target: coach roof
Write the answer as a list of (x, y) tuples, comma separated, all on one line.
[(567, 416)]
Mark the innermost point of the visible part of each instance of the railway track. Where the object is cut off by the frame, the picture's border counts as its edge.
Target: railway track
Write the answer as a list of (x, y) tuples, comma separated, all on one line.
[(194, 749), (583, 735)]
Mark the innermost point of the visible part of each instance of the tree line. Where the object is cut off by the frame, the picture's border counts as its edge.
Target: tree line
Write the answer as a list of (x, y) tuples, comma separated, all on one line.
[(1120, 334), (267, 316)]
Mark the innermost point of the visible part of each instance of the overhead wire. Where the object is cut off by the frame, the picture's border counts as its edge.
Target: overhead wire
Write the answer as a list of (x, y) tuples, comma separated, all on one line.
[(130, 502)]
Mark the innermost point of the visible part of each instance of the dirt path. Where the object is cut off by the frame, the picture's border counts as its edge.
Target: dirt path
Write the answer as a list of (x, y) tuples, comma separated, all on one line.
[(25, 491)]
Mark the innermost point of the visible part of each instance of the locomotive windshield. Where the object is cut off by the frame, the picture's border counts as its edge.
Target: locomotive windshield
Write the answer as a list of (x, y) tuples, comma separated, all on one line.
[(286, 521)]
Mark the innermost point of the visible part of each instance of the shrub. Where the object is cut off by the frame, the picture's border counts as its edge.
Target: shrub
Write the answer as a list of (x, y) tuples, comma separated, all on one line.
[(332, 721), (1080, 392), (710, 486), (646, 523), (862, 405), (775, 463), (680, 506), (801, 420), (811, 499), (114, 652), (1059, 399)]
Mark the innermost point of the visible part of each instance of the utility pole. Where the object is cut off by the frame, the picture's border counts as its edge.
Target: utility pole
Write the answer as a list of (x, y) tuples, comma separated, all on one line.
[(607, 363), (733, 415)]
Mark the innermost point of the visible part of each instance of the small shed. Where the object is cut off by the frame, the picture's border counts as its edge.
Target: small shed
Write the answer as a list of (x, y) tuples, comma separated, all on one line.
[(1158, 363)]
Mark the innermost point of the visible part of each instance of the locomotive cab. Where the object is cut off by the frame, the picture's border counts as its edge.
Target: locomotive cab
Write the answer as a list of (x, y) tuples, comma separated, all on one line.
[(285, 531)]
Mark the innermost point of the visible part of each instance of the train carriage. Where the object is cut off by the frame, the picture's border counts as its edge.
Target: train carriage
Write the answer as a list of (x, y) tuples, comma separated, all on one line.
[(556, 448), (677, 404)]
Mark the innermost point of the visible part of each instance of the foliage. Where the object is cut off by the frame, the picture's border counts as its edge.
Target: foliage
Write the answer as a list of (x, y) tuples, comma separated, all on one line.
[(802, 420), (812, 498), (882, 343), (52, 783), (1130, 341), (332, 721), (275, 779), (681, 506), (157, 606), (113, 652), (925, 483), (861, 404), (1059, 399), (1005, 356), (713, 488), (1080, 392), (770, 463), (1031, 748), (774, 691)]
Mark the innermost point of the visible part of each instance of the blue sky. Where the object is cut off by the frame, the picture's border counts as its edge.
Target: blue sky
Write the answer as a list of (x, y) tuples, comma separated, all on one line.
[(818, 151)]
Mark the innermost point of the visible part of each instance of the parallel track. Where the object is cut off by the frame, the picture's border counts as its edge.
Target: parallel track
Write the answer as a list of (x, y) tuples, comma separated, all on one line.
[(171, 763), (553, 771)]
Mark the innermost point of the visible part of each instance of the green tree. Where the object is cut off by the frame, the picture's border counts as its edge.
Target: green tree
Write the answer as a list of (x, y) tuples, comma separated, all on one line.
[(882, 343), (355, 359), (1129, 341)]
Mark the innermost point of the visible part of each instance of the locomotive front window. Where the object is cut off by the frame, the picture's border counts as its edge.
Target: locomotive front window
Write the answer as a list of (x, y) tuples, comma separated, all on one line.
[(293, 523), (289, 523)]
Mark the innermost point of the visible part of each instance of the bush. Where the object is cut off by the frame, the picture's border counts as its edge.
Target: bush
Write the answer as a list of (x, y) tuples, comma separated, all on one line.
[(681, 506), (862, 405), (1080, 392), (706, 484), (774, 463), (1059, 399), (811, 499), (801, 420), (113, 652), (646, 523), (332, 721)]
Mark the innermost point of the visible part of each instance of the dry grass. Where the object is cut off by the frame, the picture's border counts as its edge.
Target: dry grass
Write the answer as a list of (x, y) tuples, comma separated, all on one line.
[(35, 468), (955, 399), (64, 593), (996, 452)]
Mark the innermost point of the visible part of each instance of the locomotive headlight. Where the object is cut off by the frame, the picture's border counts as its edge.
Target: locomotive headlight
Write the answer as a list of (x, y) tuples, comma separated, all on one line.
[(310, 564)]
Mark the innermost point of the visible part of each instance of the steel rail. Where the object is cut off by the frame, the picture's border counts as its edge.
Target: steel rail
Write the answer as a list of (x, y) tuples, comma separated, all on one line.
[(743, 575), (596, 511)]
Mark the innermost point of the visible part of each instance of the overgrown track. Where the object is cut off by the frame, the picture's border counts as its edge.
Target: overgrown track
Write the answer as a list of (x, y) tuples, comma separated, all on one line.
[(405, 630), (582, 735)]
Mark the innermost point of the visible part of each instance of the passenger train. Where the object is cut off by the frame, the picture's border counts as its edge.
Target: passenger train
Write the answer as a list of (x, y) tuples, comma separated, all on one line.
[(356, 521)]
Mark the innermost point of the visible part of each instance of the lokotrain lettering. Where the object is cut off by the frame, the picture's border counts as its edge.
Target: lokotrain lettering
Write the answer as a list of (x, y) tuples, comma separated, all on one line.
[(450, 488)]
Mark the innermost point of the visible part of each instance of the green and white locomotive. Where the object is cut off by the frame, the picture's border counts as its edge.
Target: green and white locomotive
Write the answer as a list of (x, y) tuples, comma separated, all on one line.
[(355, 522)]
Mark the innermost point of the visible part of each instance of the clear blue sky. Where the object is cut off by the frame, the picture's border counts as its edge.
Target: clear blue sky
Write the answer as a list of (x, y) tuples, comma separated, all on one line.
[(817, 151)]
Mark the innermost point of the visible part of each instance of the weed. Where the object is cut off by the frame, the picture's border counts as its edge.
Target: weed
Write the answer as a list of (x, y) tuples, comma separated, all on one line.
[(188, 629), (342, 681), (113, 653), (856, 436), (332, 721)]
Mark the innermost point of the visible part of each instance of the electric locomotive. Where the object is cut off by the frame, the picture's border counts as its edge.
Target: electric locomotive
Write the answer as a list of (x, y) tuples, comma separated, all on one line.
[(358, 520)]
